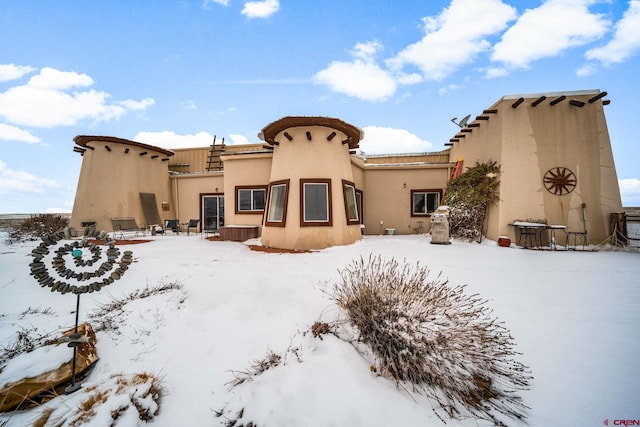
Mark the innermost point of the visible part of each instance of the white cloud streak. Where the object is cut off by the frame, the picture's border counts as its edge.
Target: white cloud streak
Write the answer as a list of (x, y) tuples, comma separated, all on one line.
[(455, 37), (630, 191), (12, 71), (546, 31), (170, 140), (386, 140), (12, 181), (51, 98), (12, 133), (452, 39), (625, 41)]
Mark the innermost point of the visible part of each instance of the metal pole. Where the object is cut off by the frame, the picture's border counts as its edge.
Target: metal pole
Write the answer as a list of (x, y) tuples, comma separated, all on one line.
[(73, 387)]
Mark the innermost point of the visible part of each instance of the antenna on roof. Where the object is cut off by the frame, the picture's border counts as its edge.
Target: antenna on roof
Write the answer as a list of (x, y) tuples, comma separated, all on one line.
[(462, 123)]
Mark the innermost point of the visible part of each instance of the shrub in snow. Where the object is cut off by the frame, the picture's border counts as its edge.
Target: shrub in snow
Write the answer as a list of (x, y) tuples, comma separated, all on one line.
[(38, 226), (469, 197), (122, 400), (434, 338)]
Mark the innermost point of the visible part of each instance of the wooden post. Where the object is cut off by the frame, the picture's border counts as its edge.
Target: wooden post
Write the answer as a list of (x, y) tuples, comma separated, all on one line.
[(618, 224)]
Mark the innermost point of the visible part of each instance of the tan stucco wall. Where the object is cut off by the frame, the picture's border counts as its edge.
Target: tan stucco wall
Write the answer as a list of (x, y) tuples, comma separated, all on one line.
[(527, 141), (110, 183), (187, 190), (242, 170), (387, 196), (318, 158)]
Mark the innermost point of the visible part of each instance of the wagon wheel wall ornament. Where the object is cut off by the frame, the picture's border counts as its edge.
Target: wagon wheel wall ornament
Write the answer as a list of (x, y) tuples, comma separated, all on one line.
[(559, 181)]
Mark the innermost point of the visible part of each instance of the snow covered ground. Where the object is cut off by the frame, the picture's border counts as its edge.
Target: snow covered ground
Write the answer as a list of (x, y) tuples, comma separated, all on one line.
[(574, 316)]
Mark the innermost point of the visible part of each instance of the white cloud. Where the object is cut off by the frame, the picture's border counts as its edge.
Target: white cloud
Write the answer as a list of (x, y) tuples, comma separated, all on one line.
[(260, 9), (12, 133), (384, 140), (47, 101), (358, 79), (237, 139), (222, 2), (548, 30), (50, 78), (361, 78), (13, 71), (57, 210), (170, 140), (630, 191), (626, 39), (448, 88), (137, 105), (189, 105), (23, 182), (454, 37)]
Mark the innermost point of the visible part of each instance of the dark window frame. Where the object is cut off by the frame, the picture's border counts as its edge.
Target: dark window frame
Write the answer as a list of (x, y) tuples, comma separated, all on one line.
[(285, 203), (426, 192), (251, 188), (329, 221), (350, 185)]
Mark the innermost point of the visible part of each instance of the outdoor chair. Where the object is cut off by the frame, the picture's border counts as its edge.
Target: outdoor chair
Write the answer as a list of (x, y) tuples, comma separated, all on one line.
[(193, 223), (173, 225)]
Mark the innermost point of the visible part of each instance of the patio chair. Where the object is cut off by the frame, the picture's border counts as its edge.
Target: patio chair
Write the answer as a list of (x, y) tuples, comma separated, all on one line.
[(193, 223), (173, 225)]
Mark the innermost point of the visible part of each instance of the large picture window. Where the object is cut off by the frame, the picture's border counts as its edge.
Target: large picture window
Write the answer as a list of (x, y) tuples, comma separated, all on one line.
[(277, 203), (424, 202), (350, 202), (250, 199), (315, 202)]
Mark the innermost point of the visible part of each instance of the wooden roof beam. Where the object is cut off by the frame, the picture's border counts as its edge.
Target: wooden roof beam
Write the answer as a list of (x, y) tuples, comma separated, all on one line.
[(558, 100), (517, 103), (598, 96), (538, 101), (576, 103)]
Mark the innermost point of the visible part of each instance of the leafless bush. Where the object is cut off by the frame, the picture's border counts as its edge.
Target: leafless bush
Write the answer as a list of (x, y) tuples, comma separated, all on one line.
[(432, 336), (38, 226), (105, 317), (257, 367), (26, 340), (139, 395)]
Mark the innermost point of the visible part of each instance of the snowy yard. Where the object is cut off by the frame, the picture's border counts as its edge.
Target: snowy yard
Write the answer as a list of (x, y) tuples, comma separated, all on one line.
[(574, 317)]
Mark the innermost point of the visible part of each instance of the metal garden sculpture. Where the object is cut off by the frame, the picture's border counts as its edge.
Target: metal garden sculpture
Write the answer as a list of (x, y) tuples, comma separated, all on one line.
[(80, 267)]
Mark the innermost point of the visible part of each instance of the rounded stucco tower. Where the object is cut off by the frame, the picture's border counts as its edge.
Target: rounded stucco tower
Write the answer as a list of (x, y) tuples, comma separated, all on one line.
[(311, 198), (121, 178)]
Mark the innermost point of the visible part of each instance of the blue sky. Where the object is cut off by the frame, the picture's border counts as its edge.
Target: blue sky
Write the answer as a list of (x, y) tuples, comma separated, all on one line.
[(176, 73)]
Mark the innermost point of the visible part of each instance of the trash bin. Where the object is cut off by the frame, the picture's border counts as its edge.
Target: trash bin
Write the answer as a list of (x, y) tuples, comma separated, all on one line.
[(440, 226)]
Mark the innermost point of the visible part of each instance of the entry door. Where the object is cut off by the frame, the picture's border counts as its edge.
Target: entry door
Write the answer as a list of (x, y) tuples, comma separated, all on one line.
[(212, 212)]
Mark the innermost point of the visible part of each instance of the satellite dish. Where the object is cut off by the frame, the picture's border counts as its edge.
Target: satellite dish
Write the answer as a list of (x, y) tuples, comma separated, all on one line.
[(462, 122)]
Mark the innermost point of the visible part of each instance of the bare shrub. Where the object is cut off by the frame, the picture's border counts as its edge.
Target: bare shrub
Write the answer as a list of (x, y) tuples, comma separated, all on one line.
[(106, 317), (318, 329), (26, 340), (38, 226), (432, 336), (137, 394), (257, 367)]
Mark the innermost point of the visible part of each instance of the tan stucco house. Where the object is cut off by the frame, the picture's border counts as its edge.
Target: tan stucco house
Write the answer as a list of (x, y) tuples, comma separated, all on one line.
[(308, 187)]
